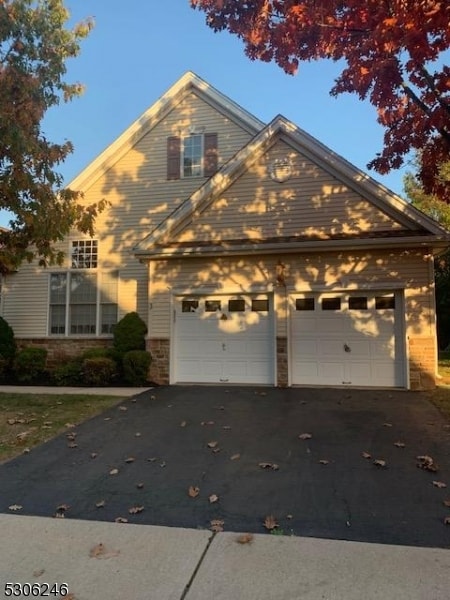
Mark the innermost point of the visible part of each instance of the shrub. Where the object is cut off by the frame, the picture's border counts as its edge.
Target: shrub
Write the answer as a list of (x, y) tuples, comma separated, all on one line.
[(98, 371), (129, 333), (136, 364), (68, 372), (29, 364), (7, 342)]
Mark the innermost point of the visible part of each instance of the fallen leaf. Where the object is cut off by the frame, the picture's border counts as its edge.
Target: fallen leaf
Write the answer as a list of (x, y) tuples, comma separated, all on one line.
[(289, 516), (267, 465), (12, 421), (379, 463), (270, 522), (130, 459), (212, 444), (217, 525), (38, 572), (123, 408), (107, 419), (100, 503), (305, 436), (216, 450), (63, 507), (94, 454), (121, 520), (366, 455), (153, 459), (59, 515), (213, 498), (447, 521), (387, 424), (71, 436), (140, 486), (99, 551), (137, 434), (447, 503), (69, 425), (427, 463), (135, 510), (439, 484), (245, 538), (399, 444), (15, 507), (193, 491), (72, 445), (183, 424), (324, 461), (162, 464), (235, 457), (226, 427), (114, 471)]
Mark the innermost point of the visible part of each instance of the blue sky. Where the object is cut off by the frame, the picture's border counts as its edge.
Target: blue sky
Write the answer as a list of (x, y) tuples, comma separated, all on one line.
[(139, 48)]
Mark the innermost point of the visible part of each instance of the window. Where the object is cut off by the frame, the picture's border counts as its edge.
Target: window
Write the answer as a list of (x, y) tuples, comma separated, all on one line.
[(304, 304), (237, 305), (260, 305), (331, 303), (357, 303), (83, 303), (212, 305), (384, 302), (188, 306), (84, 254), (193, 155)]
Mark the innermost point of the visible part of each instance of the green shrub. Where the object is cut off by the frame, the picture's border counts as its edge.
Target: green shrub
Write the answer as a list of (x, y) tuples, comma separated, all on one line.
[(136, 364), (7, 342), (129, 333), (101, 353), (68, 373), (98, 371), (29, 365)]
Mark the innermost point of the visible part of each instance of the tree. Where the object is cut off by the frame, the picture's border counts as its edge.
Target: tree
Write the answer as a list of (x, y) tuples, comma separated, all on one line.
[(392, 51), (435, 208), (34, 47)]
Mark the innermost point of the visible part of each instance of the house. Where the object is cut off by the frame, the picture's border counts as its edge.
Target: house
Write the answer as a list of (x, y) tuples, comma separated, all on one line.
[(255, 254)]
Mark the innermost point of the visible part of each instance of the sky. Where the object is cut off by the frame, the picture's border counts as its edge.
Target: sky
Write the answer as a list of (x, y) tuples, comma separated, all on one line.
[(140, 48)]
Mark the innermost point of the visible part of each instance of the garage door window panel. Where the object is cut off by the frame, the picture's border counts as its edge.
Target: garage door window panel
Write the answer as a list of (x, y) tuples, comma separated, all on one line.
[(212, 305), (304, 304), (236, 305), (331, 303), (189, 306), (384, 302), (357, 303)]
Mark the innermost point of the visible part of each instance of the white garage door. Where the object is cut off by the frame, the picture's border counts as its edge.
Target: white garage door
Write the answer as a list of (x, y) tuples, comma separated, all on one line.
[(346, 339), (224, 339)]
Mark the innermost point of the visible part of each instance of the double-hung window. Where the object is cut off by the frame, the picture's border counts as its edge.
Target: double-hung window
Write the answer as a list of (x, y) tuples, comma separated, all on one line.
[(83, 300), (193, 155)]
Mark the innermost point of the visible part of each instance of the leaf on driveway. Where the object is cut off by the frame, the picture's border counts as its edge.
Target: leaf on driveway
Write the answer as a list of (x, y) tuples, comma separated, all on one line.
[(387, 424), (245, 538), (323, 461), (130, 459), (305, 436), (379, 462), (114, 472), (268, 465), (69, 425), (212, 444), (217, 525), (213, 498), (270, 522), (100, 504), (63, 507), (193, 491), (137, 434), (135, 510), (123, 408), (366, 455), (140, 485), (99, 551), (439, 484), (447, 503), (207, 423), (94, 454), (72, 445), (426, 463), (235, 457), (183, 424), (447, 521), (399, 444), (15, 507), (71, 436), (120, 520), (38, 572), (226, 427)]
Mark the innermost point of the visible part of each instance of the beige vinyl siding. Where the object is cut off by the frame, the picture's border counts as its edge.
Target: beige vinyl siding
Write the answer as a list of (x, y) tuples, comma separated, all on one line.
[(139, 197), (310, 203), (406, 270)]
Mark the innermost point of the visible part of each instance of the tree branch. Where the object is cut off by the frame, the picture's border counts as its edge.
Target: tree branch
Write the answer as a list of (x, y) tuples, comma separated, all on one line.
[(413, 96)]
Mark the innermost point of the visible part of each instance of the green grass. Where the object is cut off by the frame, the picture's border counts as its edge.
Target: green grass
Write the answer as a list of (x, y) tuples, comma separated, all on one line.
[(444, 364), (27, 420)]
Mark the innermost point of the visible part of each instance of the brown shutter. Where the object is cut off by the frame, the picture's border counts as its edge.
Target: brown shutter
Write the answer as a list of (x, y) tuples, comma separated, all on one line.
[(210, 154), (173, 157)]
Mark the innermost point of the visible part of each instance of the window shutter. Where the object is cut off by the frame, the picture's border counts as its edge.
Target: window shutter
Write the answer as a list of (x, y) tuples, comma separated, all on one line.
[(173, 157), (210, 154)]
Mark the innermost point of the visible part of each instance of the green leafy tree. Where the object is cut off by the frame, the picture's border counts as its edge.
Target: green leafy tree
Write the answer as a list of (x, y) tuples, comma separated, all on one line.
[(440, 211), (34, 47)]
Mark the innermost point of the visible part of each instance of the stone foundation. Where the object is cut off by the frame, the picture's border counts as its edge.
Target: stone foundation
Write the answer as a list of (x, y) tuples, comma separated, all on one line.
[(422, 366), (63, 349), (282, 362), (160, 351)]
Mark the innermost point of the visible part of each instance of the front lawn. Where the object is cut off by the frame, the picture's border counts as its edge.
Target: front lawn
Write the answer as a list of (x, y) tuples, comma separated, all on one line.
[(27, 420)]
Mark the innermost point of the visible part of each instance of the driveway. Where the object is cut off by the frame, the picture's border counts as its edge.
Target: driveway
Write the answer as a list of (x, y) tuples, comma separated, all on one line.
[(239, 451)]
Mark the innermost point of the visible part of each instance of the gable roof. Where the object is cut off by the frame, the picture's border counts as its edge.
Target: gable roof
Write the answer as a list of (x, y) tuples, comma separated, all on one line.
[(188, 83), (162, 240)]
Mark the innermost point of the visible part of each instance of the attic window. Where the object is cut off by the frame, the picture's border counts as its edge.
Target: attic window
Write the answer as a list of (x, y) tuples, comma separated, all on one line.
[(194, 155), (84, 254)]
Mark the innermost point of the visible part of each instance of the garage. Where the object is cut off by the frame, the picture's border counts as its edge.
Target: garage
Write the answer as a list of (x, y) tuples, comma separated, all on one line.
[(352, 339), (224, 339)]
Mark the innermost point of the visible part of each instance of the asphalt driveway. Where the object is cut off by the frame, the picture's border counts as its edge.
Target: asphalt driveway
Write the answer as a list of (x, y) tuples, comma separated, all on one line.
[(186, 456)]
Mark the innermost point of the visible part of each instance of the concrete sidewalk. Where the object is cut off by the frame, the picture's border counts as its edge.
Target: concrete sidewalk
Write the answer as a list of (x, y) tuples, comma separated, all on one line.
[(124, 392), (140, 562)]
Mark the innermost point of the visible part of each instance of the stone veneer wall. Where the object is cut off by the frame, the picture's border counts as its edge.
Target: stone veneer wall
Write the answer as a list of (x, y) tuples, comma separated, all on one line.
[(61, 349), (282, 362), (422, 366), (160, 351)]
